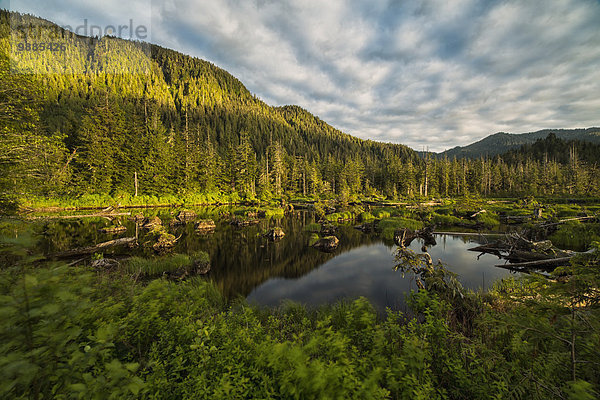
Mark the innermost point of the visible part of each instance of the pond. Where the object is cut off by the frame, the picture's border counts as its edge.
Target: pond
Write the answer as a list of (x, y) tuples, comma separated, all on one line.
[(368, 270), (246, 264)]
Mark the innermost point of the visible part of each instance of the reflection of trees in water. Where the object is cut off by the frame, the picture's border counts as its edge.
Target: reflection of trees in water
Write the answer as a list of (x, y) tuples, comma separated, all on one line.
[(56, 235), (61, 235), (241, 259)]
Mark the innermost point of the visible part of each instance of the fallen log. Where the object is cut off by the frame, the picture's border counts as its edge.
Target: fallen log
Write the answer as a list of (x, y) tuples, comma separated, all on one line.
[(403, 237), (477, 213), (544, 225), (101, 215), (113, 230), (427, 204), (525, 256), (553, 262), (467, 234), (92, 249), (489, 248), (516, 248)]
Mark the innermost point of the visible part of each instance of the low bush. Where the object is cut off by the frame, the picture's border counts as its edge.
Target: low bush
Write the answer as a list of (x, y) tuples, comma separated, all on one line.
[(575, 235), (152, 267), (381, 213), (488, 219), (388, 226), (340, 216), (365, 216), (445, 220)]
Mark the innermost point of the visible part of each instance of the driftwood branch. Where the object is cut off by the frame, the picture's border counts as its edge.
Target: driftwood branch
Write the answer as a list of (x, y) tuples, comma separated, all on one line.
[(101, 215), (567, 220), (467, 234), (554, 262), (92, 249), (404, 236), (478, 212)]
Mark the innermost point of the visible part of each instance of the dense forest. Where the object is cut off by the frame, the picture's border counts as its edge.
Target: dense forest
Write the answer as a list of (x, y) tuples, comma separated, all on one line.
[(122, 118), (179, 123)]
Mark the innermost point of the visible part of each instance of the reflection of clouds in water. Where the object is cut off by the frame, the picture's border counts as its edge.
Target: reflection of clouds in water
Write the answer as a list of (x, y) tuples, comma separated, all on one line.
[(368, 271), (473, 273)]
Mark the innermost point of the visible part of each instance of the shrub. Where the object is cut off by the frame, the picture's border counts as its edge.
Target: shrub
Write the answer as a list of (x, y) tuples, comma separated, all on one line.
[(152, 267), (388, 226), (575, 235), (365, 216), (445, 220), (381, 213), (488, 219), (340, 216)]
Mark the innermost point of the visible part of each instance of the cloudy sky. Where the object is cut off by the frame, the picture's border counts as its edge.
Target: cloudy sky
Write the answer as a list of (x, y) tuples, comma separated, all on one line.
[(433, 74)]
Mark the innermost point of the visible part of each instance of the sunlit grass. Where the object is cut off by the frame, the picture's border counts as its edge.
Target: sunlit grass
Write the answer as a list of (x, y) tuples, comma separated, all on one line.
[(158, 266), (388, 226)]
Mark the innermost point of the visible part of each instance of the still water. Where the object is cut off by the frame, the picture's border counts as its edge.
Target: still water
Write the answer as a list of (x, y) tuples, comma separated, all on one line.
[(246, 264), (368, 271)]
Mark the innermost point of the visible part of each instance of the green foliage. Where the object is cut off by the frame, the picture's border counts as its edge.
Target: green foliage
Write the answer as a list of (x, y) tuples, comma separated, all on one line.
[(274, 212), (313, 238), (152, 267), (340, 216), (488, 219), (365, 216), (52, 345), (564, 211), (576, 235), (553, 336), (445, 220), (381, 213), (388, 226), (67, 332)]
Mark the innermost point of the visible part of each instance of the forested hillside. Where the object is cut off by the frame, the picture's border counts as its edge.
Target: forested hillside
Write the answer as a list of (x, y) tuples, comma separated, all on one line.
[(102, 114), (550, 166), (554, 149), (107, 110)]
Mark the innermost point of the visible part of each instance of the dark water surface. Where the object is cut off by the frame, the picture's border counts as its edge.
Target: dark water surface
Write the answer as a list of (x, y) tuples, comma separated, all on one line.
[(368, 270), (246, 264)]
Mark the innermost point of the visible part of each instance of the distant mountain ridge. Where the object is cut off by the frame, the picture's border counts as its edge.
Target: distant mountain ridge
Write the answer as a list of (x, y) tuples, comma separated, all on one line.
[(502, 142)]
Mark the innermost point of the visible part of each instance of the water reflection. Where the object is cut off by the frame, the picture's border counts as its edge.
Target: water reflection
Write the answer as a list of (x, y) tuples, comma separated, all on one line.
[(368, 271), (246, 264)]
